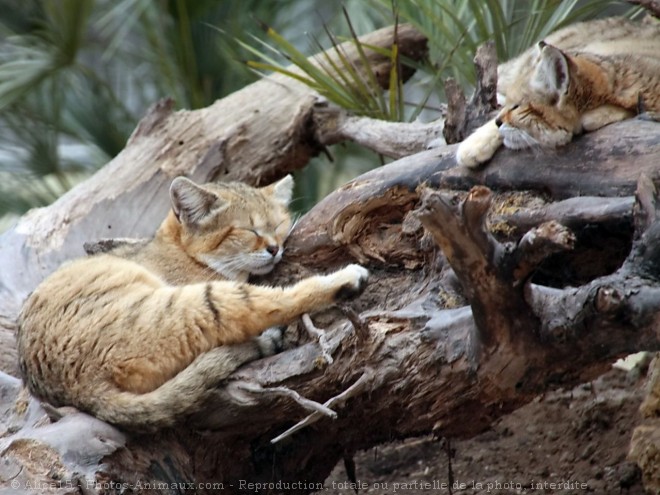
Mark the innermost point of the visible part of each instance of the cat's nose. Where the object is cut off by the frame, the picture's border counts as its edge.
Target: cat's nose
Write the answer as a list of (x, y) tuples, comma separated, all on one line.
[(273, 250), (498, 122)]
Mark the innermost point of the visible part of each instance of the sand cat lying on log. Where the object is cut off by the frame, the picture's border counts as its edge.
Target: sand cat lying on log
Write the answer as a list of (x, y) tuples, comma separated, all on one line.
[(138, 336), (580, 78)]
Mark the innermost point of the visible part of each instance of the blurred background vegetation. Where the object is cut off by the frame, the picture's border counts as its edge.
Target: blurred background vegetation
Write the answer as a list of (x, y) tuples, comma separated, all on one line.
[(77, 75)]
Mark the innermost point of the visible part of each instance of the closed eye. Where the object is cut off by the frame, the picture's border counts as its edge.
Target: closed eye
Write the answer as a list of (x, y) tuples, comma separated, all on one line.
[(248, 230), (268, 229), (222, 238)]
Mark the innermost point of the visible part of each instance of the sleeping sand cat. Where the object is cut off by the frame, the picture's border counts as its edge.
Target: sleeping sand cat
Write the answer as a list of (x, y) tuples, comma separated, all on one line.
[(581, 78), (138, 336)]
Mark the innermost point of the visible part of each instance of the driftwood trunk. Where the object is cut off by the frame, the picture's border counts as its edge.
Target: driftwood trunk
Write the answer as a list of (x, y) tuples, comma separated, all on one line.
[(487, 289)]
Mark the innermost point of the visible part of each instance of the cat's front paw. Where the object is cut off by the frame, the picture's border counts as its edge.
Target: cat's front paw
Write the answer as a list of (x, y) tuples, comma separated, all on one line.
[(480, 146), (469, 156), (349, 281)]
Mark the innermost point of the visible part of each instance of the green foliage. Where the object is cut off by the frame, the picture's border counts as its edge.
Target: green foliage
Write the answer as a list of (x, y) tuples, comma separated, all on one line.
[(455, 28), (76, 76), (331, 73)]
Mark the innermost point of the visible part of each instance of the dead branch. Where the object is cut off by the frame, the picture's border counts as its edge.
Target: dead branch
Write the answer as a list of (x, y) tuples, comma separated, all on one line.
[(464, 117), (392, 139), (319, 335), (572, 213)]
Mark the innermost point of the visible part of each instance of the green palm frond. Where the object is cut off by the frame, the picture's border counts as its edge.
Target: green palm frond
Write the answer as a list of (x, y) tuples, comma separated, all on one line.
[(331, 73), (30, 59), (455, 28)]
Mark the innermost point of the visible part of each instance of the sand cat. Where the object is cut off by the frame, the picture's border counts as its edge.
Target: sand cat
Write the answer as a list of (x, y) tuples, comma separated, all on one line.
[(138, 336), (579, 79)]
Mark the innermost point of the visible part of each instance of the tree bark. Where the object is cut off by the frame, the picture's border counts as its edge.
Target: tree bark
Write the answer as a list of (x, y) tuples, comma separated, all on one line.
[(488, 288)]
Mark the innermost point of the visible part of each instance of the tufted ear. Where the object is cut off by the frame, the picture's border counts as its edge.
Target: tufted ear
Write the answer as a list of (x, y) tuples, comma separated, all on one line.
[(191, 203), (282, 190), (552, 70)]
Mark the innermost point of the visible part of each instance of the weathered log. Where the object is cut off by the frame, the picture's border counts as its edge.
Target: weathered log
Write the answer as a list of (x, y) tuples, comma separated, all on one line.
[(416, 365), (425, 368)]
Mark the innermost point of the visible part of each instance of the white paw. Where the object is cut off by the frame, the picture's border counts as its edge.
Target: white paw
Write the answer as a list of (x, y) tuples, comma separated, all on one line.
[(468, 156), (480, 146), (270, 341), (350, 281)]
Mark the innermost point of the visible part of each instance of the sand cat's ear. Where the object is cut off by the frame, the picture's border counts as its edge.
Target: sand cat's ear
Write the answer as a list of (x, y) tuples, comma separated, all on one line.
[(191, 203), (282, 190), (551, 74)]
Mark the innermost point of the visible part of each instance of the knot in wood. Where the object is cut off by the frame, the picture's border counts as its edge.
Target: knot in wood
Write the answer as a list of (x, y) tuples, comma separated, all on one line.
[(558, 234), (476, 205), (609, 300), (480, 194)]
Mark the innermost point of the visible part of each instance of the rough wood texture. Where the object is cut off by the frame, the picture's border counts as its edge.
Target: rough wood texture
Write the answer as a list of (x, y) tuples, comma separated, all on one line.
[(392, 139), (464, 117), (416, 359)]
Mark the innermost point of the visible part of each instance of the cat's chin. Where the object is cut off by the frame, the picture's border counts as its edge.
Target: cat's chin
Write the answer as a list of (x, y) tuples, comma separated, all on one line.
[(263, 270), (516, 139)]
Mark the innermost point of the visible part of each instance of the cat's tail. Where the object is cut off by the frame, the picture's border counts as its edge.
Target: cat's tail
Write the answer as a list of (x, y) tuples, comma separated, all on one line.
[(177, 398)]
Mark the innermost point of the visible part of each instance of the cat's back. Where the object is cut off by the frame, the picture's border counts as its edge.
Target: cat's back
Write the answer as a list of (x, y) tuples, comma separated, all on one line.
[(90, 279), (74, 314), (613, 35), (624, 42), (79, 296)]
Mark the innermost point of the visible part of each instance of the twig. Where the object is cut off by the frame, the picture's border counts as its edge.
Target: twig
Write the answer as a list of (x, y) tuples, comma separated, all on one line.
[(320, 409), (320, 336), (355, 389), (360, 326)]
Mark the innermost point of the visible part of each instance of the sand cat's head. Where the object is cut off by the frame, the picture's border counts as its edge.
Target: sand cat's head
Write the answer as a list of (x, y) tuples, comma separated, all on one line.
[(233, 228), (540, 109)]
